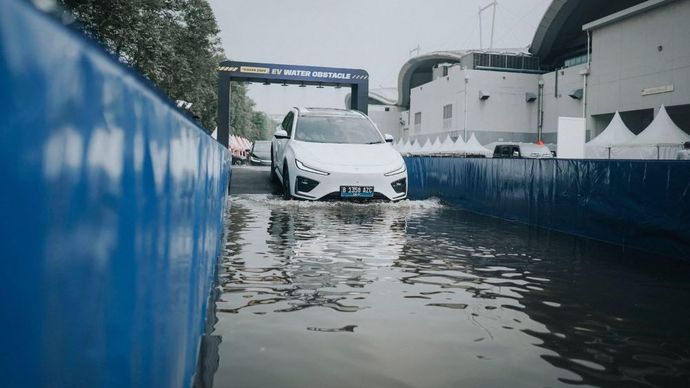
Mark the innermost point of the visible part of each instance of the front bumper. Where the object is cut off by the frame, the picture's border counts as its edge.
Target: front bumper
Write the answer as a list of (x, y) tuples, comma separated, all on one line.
[(328, 187), (259, 162)]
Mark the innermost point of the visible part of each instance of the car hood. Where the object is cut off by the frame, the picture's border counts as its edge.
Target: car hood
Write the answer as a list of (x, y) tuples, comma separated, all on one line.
[(262, 154), (347, 155)]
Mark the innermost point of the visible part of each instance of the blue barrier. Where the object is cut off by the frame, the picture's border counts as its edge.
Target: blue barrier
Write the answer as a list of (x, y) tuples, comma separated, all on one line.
[(638, 204), (111, 216)]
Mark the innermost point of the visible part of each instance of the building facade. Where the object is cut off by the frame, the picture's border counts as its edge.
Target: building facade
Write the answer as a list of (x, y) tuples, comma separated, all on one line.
[(588, 59)]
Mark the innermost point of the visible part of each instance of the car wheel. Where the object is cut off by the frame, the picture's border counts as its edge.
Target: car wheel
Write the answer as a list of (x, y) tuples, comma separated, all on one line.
[(274, 174), (287, 194)]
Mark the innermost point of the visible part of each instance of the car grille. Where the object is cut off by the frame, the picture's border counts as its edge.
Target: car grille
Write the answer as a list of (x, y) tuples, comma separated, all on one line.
[(335, 196)]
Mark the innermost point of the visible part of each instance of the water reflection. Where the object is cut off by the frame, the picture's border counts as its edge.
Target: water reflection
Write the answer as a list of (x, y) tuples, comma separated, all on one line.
[(417, 294)]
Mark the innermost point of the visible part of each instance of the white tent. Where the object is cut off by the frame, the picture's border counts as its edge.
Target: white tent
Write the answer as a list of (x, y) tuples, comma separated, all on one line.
[(661, 140), (404, 146), (437, 148), (396, 145), (416, 148), (474, 148), (430, 147), (453, 147), (615, 133)]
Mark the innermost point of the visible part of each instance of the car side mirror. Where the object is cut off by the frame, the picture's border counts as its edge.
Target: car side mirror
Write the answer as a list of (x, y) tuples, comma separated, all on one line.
[(516, 154), (281, 134), (389, 138)]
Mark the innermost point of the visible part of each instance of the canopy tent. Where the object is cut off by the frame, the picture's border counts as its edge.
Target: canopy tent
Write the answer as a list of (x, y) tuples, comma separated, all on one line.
[(443, 145), (661, 140), (453, 147), (615, 133), (429, 147), (400, 145), (416, 148), (474, 148)]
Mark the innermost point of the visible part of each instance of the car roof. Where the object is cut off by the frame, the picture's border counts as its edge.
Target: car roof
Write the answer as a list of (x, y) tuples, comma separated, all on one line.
[(515, 143), (309, 111)]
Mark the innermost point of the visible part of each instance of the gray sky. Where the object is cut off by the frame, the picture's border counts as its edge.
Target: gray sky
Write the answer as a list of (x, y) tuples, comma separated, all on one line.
[(375, 35)]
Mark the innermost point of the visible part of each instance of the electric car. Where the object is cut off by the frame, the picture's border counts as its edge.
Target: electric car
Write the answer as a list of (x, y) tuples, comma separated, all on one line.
[(260, 154), (334, 154)]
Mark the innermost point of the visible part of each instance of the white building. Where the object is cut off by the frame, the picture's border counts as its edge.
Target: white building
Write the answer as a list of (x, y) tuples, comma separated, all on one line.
[(588, 59)]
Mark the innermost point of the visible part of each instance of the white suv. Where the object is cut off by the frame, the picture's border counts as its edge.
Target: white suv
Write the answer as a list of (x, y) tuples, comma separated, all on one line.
[(320, 153)]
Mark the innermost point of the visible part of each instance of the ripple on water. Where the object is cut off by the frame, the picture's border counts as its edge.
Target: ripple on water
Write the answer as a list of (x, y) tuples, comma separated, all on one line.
[(419, 294)]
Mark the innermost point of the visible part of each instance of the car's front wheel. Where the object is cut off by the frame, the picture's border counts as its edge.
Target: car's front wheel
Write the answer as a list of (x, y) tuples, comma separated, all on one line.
[(287, 194), (274, 173)]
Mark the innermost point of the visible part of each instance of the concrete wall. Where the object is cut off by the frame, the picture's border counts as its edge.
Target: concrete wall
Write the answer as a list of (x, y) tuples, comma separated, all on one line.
[(505, 115), (388, 122), (626, 58), (557, 102)]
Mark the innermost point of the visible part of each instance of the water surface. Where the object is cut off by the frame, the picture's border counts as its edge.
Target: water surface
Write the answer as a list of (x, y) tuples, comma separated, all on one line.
[(418, 294)]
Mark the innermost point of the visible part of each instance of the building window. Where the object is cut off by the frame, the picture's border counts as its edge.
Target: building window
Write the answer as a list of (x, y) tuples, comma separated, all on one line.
[(448, 116), (579, 60), (506, 62), (418, 122)]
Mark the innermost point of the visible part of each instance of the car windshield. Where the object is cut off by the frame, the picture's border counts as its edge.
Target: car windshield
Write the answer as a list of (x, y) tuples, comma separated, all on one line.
[(337, 129), (262, 146)]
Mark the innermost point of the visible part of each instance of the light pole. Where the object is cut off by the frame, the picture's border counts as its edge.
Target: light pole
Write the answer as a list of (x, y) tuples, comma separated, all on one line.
[(540, 111), (467, 81), (493, 4)]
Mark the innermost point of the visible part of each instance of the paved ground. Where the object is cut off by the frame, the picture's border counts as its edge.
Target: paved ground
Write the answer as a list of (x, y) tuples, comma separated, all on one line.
[(251, 180)]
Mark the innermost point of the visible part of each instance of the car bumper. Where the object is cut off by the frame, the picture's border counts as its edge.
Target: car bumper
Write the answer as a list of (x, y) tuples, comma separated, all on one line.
[(328, 187), (259, 162)]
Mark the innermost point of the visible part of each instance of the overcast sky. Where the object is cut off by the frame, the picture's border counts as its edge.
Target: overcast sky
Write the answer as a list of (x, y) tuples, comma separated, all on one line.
[(375, 35)]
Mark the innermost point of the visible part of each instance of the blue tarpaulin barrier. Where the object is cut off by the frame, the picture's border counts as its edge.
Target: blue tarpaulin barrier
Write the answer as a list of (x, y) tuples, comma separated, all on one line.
[(637, 204), (111, 216)]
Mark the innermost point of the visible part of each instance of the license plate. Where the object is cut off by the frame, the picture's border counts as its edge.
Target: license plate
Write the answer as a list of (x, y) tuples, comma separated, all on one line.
[(356, 191)]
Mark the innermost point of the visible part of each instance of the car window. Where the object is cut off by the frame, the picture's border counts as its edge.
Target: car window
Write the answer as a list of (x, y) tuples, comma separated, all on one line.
[(515, 152), (503, 151), (287, 123), (337, 129), (262, 146)]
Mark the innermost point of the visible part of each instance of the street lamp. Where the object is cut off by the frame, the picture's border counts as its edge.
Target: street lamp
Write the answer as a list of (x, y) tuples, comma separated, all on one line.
[(467, 81)]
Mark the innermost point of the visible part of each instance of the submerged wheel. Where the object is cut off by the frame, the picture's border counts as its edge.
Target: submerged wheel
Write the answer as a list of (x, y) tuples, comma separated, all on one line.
[(286, 182), (274, 175)]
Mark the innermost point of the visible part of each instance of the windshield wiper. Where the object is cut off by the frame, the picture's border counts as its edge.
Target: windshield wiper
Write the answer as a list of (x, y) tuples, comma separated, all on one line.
[(374, 142)]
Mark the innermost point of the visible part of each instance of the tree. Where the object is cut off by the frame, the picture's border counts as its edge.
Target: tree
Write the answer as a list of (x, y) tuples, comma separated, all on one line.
[(174, 43), (264, 125), (242, 111)]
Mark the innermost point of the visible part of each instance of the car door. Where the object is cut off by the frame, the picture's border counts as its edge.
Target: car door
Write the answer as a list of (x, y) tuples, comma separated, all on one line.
[(280, 144)]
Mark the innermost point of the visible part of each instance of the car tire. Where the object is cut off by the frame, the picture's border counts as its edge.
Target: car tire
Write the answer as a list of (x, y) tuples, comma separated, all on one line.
[(274, 174), (287, 194)]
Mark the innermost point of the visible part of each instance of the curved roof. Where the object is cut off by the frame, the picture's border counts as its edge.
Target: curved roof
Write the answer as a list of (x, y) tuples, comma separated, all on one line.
[(384, 96), (418, 70), (379, 96), (560, 34)]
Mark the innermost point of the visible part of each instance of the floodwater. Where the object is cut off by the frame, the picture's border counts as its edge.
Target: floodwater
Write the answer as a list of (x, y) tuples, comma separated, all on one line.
[(418, 294)]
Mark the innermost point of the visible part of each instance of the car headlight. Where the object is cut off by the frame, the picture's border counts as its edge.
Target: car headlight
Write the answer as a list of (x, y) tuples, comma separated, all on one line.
[(312, 170), (397, 171)]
